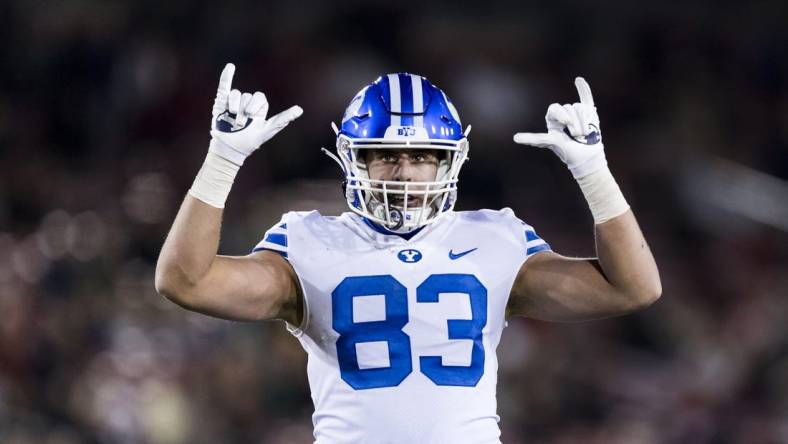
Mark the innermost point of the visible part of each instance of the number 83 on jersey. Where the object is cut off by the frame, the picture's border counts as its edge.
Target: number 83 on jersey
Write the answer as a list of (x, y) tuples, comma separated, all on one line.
[(390, 330)]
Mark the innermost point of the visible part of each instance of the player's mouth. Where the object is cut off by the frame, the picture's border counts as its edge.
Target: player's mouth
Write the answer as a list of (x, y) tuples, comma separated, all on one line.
[(399, 201)]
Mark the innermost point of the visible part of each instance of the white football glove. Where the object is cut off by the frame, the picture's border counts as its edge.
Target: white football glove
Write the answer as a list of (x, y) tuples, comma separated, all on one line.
[(573, 133), (239, 126)]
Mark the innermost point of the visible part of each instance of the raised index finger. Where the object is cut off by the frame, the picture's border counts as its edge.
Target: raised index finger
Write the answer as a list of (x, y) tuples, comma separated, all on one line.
[(226, 80), (584, 91)]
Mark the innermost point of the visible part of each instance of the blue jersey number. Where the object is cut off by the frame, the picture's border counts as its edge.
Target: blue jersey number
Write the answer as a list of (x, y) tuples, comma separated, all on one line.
[(390, 331), (432, 366)]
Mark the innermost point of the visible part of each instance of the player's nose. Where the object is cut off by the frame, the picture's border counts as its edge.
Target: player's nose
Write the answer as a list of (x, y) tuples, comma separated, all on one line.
[(403, 170)]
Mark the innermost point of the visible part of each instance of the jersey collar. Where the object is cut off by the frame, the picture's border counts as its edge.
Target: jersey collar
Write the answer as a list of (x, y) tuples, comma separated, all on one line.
[(382, 230), (384, 238)]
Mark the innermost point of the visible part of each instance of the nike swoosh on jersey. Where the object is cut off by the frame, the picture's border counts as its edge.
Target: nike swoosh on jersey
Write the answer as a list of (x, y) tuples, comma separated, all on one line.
[(453, 256)]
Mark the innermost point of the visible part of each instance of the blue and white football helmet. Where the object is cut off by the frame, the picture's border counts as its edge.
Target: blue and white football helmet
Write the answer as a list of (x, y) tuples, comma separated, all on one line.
[(401, 111)]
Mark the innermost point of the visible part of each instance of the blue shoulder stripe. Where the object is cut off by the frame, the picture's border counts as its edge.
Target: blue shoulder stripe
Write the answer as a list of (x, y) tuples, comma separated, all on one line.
[(537, 249), (276, 238)]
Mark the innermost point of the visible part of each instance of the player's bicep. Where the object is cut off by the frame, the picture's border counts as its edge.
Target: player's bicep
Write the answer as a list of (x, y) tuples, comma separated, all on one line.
[(262, 285), (556, 288)]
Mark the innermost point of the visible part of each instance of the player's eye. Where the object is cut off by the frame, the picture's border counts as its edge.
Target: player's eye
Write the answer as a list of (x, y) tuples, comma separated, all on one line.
[(424, 156)]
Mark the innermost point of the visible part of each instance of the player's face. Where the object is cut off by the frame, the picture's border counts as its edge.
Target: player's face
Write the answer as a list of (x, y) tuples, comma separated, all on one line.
[(403, 165)]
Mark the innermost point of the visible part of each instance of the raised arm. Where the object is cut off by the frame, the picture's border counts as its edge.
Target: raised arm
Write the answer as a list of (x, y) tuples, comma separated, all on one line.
[(624, 277), (189, 272)]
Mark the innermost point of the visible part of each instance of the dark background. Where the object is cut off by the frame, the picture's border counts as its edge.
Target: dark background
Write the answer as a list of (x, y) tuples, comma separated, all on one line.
[(104, 118)]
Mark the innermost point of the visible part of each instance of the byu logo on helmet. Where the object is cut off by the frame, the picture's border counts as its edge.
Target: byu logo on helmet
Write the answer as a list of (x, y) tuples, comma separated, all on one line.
[(409, 256), (406, 131)]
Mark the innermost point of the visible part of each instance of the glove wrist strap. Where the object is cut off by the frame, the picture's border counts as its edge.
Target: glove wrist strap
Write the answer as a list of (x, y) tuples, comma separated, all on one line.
[(589, 166), (214, 181), (603, 195), (224, 150)]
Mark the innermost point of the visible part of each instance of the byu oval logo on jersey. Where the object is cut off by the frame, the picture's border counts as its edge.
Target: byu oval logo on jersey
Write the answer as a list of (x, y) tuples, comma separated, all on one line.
[(409, 256)]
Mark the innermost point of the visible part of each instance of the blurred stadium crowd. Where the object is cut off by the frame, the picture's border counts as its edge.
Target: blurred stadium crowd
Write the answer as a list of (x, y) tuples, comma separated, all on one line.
[(104, 115)]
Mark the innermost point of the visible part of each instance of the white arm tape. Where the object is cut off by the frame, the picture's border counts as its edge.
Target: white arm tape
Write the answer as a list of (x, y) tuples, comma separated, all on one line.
[(603, 195), (213, 182)]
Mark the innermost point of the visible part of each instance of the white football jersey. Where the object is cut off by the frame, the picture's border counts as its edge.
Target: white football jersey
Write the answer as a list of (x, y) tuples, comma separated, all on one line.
[(402, 334)]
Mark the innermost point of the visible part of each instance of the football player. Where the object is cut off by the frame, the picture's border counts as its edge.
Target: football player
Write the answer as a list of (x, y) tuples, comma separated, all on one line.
[(400, 303)]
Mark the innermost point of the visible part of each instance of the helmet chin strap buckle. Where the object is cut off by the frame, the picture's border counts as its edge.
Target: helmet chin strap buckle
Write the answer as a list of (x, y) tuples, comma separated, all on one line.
[(396, 218)]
